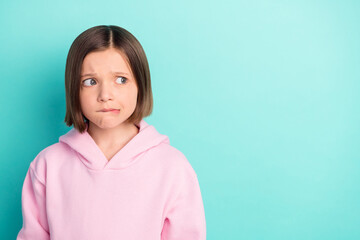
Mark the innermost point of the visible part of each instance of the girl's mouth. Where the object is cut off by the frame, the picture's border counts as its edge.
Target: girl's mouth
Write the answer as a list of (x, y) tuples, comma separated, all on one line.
[(110, 110)]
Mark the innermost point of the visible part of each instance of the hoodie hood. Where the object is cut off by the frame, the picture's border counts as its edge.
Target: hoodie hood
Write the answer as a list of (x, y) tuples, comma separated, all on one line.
[(92, 156)]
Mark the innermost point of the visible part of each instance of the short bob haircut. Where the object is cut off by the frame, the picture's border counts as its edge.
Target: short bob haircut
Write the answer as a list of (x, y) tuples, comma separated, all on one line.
[(100, 38)]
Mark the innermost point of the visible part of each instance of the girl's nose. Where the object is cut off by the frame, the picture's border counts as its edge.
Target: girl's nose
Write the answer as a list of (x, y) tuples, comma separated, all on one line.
[(105, 92)]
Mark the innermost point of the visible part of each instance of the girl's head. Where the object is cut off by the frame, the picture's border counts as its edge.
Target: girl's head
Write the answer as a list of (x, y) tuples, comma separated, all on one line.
[(102, 51)]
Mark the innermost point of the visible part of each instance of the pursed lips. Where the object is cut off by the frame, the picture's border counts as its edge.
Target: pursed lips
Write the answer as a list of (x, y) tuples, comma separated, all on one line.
[(109, 110)]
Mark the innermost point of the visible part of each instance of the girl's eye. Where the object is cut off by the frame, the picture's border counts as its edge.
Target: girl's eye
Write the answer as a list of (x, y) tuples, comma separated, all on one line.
[(123, 81), (89, 81)]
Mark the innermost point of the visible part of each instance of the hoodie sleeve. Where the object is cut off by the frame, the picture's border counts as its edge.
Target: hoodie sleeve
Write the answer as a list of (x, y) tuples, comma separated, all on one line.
[(185, 217), (35, 225)]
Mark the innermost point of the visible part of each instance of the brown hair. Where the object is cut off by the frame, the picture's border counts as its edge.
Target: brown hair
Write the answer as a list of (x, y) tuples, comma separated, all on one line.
[(100, 38)]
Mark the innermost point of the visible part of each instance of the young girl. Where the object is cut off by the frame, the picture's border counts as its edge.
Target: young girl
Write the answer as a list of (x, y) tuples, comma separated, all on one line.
[(112, 176)]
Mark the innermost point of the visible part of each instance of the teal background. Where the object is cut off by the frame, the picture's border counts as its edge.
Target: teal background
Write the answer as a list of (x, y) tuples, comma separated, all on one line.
[(261, 96)]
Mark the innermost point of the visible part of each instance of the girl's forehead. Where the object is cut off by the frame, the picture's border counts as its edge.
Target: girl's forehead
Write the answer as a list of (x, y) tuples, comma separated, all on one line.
[(110, 59), (105, 56)]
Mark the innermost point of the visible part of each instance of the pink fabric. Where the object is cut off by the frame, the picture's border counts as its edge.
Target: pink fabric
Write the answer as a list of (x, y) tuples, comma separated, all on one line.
[(148, 190)]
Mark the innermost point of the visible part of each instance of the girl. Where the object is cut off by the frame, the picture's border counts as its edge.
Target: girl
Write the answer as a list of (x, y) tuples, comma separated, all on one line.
[(112, 176)]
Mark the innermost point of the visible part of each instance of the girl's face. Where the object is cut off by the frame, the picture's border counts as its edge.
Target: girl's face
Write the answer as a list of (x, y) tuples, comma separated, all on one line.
[(107, 83)]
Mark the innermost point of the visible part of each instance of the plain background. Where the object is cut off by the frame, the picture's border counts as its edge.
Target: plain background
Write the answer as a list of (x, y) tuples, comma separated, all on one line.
[(261, 96)]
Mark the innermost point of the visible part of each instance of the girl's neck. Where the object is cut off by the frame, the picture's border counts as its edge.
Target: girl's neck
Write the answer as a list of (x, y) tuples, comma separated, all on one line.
[(112, 137)]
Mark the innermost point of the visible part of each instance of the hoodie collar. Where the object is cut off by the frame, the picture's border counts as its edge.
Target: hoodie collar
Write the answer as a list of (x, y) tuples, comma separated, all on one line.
[(92, 156)]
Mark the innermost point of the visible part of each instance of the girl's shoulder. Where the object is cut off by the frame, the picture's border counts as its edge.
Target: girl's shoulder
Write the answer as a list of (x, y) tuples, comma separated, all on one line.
[(52, 151), (172, 159), (48, 156)]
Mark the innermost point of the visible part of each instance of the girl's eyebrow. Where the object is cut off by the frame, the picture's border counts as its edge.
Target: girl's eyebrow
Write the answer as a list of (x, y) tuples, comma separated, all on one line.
[(94, 74)]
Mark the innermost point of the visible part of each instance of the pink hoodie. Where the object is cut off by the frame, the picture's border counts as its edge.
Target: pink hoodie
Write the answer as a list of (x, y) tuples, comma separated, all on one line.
[(147, 191)]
